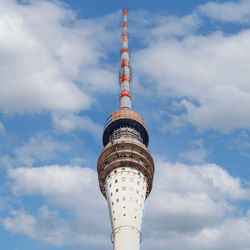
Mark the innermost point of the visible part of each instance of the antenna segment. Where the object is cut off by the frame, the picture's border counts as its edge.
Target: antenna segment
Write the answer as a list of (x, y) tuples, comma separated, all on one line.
[(125, 97)]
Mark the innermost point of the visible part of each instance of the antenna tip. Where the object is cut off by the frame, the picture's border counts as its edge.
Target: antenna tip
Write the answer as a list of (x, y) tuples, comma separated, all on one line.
[(125, 12)]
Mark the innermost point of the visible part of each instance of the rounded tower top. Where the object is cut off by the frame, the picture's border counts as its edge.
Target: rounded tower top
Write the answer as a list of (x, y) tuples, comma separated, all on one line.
[(125, 118)]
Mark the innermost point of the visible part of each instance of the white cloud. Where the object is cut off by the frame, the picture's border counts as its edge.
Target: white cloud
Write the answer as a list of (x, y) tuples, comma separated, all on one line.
[(175, 26), (49, 50), (69, 122), (193, 207), (159, 27), (210, 238), (197, 153), (72, 188), (3, 204), (196, 70), (47, 227), (232, 234), (21, 222), (227, 11), (39, 148), (6, 161), (241, 143), (2, 129), (58, 181), (189, 206)]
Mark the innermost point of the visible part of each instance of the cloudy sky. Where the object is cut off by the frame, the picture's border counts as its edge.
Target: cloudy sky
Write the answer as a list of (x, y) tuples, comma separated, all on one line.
[(59, 63)]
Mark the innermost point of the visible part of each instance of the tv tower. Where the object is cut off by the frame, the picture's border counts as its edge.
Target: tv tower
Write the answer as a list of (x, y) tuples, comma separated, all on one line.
[(125, 166)]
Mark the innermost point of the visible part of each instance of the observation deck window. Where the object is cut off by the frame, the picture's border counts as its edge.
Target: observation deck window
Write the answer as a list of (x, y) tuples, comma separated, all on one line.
[(125, 131)]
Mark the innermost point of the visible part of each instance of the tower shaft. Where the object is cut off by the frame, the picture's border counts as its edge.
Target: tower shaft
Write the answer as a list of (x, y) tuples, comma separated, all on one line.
[(126, 191), (125, 166)]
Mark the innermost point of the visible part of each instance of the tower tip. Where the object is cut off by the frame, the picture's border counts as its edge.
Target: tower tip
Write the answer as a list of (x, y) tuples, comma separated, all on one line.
[(125, 97)]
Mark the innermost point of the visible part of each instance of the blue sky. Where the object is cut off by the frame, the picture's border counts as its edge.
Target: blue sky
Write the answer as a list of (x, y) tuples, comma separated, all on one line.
[(59, 64)]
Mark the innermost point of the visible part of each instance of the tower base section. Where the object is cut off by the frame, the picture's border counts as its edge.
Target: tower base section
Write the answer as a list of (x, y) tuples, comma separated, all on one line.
[(126, 238), (126, 191)]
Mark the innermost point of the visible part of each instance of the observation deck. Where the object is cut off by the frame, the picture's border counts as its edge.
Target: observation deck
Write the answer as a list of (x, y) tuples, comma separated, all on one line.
[(125, 118), (122, 153)]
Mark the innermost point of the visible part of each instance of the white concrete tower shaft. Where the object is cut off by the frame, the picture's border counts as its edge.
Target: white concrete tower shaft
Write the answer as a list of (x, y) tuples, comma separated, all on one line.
[(126, 191), (125, 166)]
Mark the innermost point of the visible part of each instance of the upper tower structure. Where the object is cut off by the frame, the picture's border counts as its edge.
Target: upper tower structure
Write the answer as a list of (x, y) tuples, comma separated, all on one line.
[(125, 74), (125, 166)]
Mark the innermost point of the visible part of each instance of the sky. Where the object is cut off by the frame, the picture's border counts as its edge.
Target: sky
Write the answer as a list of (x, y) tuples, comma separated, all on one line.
[(59, 65)]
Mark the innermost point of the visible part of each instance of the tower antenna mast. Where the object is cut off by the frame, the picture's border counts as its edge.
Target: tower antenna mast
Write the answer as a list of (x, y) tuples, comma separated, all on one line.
[(125, 97)]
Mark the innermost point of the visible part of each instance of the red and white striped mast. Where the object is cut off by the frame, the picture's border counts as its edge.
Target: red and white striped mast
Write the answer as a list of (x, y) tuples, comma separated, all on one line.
[(125, 97)]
